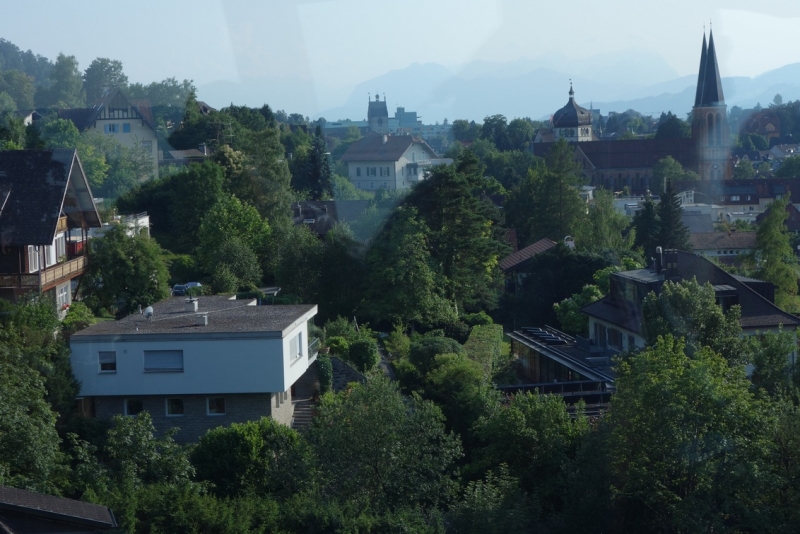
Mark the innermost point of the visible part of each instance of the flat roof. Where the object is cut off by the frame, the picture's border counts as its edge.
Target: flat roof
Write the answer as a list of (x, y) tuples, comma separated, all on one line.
[(225, 315)]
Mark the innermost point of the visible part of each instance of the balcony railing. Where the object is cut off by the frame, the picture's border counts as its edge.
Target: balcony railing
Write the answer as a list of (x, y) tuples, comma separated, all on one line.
[(50, 276), (313, 349)]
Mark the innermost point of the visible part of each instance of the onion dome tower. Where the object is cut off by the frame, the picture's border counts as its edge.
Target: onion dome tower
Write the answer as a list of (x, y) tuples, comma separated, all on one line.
[(572, 122)]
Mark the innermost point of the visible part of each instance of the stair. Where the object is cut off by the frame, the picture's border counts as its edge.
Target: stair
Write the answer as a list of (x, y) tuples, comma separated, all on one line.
[(303, 404)]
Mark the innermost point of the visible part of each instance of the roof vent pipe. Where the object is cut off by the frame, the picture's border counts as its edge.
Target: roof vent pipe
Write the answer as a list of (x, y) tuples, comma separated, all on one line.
[(659, 259), (385, 139), (201, 319)]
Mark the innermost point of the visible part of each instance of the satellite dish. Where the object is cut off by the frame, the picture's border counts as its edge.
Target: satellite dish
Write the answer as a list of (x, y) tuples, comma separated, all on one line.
[(148, 312)]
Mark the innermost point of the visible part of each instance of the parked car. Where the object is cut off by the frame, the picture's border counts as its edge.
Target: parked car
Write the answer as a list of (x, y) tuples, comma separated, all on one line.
[(179, 290)]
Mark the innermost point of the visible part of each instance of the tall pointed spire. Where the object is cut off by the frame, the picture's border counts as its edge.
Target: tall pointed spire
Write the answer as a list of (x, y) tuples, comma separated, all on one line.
[(701, 73), (709, 84)]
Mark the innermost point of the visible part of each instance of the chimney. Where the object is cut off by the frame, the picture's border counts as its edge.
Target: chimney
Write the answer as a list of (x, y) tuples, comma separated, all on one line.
[(385, 139), (191, 305), (659, 259), (201, 319)]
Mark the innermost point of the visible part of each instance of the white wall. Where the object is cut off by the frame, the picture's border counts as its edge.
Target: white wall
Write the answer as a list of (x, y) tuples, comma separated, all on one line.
[(209, 365)]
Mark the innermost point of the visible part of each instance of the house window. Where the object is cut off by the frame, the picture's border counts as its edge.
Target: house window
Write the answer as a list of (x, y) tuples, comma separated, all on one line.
[(734, 198), (358, 171), (631, 343), (387, 172), (296, 347), (62, 297), (49, 255), (111, 128), (147, 146), (372, 185), (33, 259), (126, 127), (107, 360), (216, 405), (163, 360), (174, 407), (615, 338), (61, 247), (133, 406)]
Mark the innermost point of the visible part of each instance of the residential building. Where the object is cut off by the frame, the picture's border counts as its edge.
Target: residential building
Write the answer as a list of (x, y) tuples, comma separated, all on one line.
[(28, 512), (46, 213), (615, 321), (195, 363), (725, 247), (514, 265), (389, 161), (130, 122)]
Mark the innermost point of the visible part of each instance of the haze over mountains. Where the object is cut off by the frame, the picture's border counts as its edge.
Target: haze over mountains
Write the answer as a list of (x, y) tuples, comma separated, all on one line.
[(534, 88)]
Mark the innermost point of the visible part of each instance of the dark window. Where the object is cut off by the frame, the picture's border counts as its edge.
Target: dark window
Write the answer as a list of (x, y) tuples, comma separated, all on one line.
[(133, 406), (216, 406), (174, 406), (108, 360)]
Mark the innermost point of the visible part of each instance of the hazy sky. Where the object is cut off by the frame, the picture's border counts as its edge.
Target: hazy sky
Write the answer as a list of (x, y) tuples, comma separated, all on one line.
[(333, 45)]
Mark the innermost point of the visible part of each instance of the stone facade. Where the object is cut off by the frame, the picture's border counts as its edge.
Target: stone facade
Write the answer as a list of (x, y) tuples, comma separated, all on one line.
[(196, 421)]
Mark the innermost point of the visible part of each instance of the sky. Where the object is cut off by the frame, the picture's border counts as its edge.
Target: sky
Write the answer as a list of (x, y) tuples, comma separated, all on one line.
[(306, 55)]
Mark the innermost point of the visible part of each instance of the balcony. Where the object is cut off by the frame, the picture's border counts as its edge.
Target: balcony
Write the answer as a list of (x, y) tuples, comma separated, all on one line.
[(49, 277), (313, 350)]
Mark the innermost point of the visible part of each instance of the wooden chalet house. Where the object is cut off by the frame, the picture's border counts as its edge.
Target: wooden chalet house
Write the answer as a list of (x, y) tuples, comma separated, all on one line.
[(46, 211)]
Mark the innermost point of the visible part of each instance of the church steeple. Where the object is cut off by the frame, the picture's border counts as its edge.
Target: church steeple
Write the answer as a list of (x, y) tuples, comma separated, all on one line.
[(701, 73), (709, 84)]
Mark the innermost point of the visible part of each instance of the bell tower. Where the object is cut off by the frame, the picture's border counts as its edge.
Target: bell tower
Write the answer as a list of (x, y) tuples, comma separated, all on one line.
[(710, 130)]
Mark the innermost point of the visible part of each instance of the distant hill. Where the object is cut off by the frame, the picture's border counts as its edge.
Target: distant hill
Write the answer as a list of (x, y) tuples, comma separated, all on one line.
[(481, 89)]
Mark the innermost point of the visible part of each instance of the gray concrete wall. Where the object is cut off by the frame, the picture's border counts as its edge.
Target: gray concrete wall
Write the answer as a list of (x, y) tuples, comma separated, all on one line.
[(281, 407), (195, 420)]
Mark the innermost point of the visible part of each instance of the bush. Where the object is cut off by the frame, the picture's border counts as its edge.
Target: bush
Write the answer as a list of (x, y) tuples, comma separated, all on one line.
[(223, 280), (474, 319), (255, 294), (78, 317), (364, 355), (325, 373), (339, 345), (397, 343), (424, 351)]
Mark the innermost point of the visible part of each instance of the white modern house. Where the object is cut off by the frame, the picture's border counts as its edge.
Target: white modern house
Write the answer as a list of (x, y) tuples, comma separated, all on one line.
[(195, 363), (389, 161)]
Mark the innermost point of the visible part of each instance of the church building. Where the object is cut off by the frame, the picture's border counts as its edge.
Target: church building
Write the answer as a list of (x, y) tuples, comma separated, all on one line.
[(620, 163)]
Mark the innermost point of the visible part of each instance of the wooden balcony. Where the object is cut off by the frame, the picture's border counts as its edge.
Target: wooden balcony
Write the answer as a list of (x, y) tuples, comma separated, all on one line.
[(50, 277), (62, 225)]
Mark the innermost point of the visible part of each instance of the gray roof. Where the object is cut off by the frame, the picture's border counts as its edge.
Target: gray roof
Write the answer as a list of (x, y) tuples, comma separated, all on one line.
[(373, 147), (572, 115), (55, 508), (697, 221), (36, 188), (225, 315)]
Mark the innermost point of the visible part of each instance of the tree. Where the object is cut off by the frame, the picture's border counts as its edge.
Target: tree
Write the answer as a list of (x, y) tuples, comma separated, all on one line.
[(66, 86), (28, 439), (465, 237), (260, 457), (686, 447), (744, 170), (774, 252), (790, 168), (688, 310), (604, 227), (124, 272), (465, 131), (547, 202), (671, 127), (536, 437), (341, 281), (424, 351), (402, 283), (673, 234), (667, 170), (648, 228), (19, 86), (228, 219), (770, 358), (62, 133), (572, 319), (314, 171), (520, 134), (102, 74), (380, 452)]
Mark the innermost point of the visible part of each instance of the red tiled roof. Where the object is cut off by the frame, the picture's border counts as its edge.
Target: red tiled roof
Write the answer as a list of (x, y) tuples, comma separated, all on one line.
[(514, 260)]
